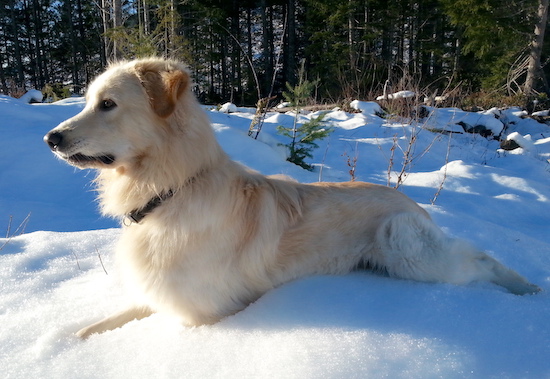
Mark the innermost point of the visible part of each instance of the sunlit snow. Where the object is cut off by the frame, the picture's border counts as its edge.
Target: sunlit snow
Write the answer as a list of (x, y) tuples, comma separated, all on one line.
[(60, 274)]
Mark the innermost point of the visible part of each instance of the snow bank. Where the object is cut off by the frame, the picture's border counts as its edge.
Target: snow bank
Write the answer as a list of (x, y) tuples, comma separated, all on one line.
[(367, 107), (524, 142), (355, 326), (457, 120), (544, 113), (397, 95), (228, 108), (31, 96)]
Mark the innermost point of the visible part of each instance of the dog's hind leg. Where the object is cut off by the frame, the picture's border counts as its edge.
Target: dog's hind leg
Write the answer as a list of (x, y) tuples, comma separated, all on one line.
[(503, 276), (413, 247), (115, 321)]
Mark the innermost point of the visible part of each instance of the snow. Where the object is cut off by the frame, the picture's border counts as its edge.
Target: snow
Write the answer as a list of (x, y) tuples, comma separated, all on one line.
[(367, 107), (524, 141), (60, 274), (32, 95), (397, 95), (228, 108), (283, 104), (457, 120), (543, 113)]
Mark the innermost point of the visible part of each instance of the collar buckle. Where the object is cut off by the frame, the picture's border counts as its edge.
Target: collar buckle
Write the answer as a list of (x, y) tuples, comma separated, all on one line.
[(137, 215)]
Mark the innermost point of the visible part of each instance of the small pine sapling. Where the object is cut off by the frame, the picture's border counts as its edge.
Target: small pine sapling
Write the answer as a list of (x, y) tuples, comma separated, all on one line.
[(302, 138)]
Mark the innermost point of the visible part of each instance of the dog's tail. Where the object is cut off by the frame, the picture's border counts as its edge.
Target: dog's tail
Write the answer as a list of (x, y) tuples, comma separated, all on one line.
[(415, 248)]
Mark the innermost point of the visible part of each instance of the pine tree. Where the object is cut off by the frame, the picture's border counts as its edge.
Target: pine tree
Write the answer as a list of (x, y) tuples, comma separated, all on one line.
[(496, 33), (302, 138)]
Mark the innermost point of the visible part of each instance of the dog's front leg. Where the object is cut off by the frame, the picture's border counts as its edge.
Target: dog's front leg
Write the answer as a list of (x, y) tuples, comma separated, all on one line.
[(115, 321)]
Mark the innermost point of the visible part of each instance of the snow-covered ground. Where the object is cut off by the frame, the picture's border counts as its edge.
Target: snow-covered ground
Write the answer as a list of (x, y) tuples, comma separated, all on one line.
[(60, 275)]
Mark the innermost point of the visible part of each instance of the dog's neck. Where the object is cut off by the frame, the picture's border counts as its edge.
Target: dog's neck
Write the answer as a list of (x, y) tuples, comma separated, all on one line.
[(137, 215)]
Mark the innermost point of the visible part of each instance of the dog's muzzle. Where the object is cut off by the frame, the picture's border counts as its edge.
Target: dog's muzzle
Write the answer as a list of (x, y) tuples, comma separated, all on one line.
[(56, 143), (54, 140)]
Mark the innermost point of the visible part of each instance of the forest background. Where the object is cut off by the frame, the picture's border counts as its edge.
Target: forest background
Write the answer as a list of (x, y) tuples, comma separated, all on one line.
[(473, 52)]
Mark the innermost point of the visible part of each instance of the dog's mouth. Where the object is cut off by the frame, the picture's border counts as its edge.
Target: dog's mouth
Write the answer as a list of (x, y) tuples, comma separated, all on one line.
[(81, 160)]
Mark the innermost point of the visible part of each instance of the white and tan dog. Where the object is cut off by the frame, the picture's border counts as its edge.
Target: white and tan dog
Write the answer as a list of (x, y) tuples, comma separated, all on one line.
[(208, 236)]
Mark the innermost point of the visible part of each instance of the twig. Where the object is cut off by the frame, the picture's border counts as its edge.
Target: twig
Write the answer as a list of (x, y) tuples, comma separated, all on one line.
[(352, 163), (261, 111), (258, 89), (436, 195), (9, 226), (260, 124), (20, 230), (101, 261), (392, 154), (77, 263), (5, 243), (323, 162), (23, 225)]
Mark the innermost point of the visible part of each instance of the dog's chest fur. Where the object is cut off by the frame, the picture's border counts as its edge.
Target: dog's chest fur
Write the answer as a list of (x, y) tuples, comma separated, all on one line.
[(194, 267)]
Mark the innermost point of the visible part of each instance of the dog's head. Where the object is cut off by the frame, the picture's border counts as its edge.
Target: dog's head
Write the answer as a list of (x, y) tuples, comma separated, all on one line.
[(126, 113)]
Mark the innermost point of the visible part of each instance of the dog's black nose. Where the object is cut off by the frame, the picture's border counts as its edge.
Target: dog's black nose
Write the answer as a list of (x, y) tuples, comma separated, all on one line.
[(53, 139)]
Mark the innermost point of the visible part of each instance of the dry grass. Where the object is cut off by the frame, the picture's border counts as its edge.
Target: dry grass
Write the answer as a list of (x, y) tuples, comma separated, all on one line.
[(17, 232)]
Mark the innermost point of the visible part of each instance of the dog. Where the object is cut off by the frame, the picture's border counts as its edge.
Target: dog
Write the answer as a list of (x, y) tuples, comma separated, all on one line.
[(204, 236)]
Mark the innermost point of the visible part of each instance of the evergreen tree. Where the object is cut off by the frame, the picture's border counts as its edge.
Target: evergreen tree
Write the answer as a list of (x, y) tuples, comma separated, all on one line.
[(303, 137), (247, 50), (496, 33)]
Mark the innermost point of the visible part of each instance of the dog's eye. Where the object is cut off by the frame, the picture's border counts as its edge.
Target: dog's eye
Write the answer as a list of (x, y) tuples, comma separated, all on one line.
[(107, 104)]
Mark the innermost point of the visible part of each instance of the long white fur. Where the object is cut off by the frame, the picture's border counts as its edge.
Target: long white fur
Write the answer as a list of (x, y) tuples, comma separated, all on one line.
[(228, 234)]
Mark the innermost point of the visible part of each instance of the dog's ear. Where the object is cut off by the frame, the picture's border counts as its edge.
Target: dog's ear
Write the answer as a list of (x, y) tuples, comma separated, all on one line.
[(164, 88)]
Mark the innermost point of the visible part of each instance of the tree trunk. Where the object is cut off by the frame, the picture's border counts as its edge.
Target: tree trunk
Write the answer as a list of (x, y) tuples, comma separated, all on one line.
[(266, 47), (249, 51), (30, 51), (117, 22), (235, 79), (17, 45), (74, 55), (291, 43), (105, 10), (172, 37), (80, 45), (3, 83), (534, 71), (37, 22), (146, 18), (351, 37), (212, 76), (223, 63)]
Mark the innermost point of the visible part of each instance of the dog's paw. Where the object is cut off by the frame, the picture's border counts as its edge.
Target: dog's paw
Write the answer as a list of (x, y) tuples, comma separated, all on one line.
[(86, 332)]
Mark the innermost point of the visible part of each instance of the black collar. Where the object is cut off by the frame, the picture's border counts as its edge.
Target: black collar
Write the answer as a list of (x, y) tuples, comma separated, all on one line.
[(139, 214)]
